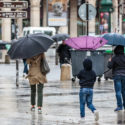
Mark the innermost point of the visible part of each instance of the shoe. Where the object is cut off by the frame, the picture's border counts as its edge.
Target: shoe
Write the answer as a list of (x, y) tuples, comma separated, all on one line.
[(82, 119), (96, 114), (39, 110), (118, 109), (33, 108)]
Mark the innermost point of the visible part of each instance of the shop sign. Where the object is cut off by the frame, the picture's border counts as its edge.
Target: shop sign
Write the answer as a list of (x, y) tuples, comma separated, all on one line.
[(13, 14), (14, 5)]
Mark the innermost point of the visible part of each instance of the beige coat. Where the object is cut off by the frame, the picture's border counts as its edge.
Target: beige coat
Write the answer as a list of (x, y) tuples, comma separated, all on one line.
[(34, 74)]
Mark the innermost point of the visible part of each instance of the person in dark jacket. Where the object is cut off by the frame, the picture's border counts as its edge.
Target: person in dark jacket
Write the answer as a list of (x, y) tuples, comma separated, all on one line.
[(87, 78), (117, 64), (64, 53)]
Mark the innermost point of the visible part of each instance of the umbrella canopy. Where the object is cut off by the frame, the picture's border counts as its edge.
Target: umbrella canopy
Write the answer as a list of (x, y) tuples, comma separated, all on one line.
[(29, 46), (60, 37), (86, 42), (114, 39)]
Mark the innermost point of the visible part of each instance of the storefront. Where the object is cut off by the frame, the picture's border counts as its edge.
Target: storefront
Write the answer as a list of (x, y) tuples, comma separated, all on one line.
[(106, 8)]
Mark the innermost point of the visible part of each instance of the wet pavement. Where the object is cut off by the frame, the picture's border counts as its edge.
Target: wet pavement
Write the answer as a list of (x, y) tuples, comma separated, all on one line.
[(60, 103)]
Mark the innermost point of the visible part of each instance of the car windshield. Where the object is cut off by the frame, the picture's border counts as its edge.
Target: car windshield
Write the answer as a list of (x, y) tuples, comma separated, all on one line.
[(37, 31)]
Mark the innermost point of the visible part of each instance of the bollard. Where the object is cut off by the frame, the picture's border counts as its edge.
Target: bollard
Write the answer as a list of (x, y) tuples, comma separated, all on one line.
[(65, 72), (7, 59)]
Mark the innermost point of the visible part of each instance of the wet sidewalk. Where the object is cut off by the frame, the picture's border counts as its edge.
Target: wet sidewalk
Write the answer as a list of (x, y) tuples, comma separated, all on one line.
[(60, 102)]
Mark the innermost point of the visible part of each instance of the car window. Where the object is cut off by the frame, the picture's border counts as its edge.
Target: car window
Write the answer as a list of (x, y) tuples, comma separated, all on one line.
[(24, 33), (37, 31), (48, 33), (28, 32)]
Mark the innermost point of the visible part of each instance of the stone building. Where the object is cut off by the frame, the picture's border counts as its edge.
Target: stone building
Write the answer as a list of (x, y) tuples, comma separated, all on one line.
[(37, 16), (107, 18)]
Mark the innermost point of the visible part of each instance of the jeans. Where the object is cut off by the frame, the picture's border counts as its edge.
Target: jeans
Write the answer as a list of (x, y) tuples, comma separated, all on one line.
[(25, 66), (86, 96), (39, 93), (119, 84)]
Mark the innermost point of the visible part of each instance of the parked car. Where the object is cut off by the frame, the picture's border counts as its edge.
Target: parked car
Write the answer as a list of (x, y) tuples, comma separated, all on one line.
[(44, 30)]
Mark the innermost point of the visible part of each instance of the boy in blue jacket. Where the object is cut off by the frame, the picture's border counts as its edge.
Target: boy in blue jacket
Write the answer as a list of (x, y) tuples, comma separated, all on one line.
[(87, 78)]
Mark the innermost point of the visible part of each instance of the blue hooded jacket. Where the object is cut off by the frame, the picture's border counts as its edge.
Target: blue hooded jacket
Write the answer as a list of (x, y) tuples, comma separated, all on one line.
[(87, 76)]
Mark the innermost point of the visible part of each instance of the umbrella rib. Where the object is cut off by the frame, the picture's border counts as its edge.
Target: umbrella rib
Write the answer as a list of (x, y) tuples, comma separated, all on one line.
[(40, 42), (75, 44)]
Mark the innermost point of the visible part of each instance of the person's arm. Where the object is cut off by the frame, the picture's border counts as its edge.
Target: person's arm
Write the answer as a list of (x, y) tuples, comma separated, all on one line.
[(69, 48), (95, 76), (58, 49), (79, 74), (110, 63)]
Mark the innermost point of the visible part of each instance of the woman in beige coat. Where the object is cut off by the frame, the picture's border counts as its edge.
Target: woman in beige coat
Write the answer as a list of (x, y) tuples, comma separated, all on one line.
[(36, 79)]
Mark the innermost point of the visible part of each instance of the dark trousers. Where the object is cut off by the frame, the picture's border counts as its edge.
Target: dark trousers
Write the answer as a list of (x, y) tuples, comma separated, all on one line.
[(39, 94)]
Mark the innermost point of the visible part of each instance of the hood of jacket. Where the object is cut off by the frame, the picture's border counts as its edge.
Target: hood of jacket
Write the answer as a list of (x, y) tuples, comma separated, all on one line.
[(119, 50), (87, 64)]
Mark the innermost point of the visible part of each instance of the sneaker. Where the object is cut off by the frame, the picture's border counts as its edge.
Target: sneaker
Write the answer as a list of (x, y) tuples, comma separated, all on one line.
[(33, 108), (39, 110), (82, 119), (118, 109), (96, 114)]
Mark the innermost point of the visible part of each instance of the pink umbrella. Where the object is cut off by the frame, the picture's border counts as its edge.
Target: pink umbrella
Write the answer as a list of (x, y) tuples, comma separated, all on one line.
[(86, 42)]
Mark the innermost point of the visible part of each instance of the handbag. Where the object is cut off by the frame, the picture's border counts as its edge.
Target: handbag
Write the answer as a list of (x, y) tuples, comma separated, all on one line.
[(44, 67)]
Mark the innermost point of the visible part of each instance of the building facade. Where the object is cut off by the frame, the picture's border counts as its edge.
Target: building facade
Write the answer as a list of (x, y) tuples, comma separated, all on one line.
[(107, 18)]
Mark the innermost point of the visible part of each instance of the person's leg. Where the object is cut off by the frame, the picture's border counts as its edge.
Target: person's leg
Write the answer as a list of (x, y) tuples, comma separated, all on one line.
[(118, 89), (40, 94), (33, 95), (82, 99), (90, 105), (26, 69), (123, 90), (89, 100)]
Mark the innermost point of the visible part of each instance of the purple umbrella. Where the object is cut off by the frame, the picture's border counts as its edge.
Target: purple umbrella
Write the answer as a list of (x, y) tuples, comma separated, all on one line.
[(86, 42)]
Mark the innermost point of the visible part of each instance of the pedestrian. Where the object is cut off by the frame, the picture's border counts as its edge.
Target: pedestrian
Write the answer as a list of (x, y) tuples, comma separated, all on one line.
[(37, 80), (87, 78), (117, 64), (64, 53), (25, 70)]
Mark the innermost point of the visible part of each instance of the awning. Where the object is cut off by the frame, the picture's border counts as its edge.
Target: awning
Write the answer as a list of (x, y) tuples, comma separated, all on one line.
[(106, 6), (106, 2)]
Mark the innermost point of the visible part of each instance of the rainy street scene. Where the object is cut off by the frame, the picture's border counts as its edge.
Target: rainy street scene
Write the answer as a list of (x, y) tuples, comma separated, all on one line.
[(60, 100), (62, 62)]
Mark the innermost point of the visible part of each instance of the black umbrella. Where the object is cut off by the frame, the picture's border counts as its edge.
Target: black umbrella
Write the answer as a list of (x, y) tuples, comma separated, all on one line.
[(60, 37), (29, 46)]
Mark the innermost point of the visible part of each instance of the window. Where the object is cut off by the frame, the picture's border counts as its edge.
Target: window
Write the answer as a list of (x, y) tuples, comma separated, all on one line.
[(48, 33)]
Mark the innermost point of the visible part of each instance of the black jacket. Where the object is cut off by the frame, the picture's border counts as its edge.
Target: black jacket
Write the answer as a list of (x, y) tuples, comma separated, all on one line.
[(117, 63), (64, 53), (87, 76)]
